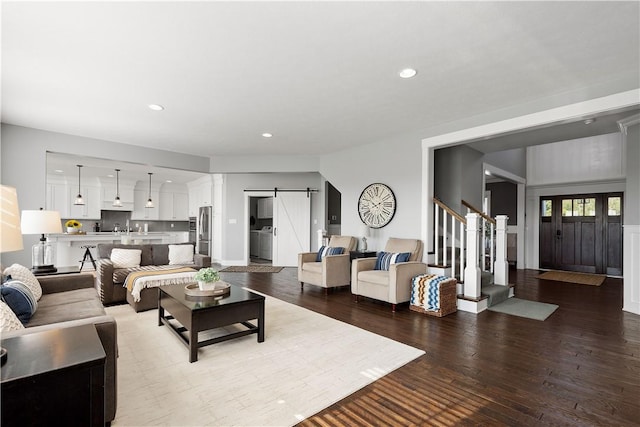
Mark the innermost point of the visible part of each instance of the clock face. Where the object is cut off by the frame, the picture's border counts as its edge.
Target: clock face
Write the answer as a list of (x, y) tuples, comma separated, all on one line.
[(377, 205)]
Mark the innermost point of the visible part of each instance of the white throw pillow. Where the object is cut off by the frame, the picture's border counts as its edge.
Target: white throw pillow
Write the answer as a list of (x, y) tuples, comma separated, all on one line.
[(180, 254), (126, 258), (24, 275), (8, 319)]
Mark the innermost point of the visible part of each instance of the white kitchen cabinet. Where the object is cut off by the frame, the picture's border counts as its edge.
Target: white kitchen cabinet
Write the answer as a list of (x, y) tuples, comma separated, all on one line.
[(173, 206), (200, 194), (265, 207), (58, 199), (91, 207), (108, 194), (139, 201)]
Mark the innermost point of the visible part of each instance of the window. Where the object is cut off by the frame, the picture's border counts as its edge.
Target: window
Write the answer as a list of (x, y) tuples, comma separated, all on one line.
[(579, 207), (546, 208), (614, 206)]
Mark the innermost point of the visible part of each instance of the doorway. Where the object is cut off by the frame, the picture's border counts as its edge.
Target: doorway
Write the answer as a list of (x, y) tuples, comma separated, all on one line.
[(261, 230), (582, 232), (289, 214)]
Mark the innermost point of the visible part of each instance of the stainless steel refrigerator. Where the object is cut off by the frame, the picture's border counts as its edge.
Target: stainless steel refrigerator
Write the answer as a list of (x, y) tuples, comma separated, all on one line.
[(204, 231)]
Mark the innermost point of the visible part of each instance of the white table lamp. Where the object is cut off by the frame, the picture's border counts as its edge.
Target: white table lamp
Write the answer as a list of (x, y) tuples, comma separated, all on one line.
[(10, 234), (42, 253)]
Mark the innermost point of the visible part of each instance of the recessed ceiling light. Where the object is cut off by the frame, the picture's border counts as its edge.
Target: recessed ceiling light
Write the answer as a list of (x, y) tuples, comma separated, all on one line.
[(267, 135), (589, 121), (407, 73), (156, 107), (169, 181), (58, 171), (486, 172), (110, 175)]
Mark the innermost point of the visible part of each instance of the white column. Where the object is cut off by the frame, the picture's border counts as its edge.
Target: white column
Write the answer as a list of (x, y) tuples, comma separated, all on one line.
[(501, 265), (472, 283)]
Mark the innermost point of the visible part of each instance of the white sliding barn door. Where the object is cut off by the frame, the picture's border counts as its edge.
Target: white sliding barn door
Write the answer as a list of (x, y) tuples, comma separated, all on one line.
[(291, 227)]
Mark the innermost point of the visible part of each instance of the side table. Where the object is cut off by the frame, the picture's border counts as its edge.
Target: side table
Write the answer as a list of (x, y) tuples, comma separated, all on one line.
[(54, 376), (362, 254), (61, 270)]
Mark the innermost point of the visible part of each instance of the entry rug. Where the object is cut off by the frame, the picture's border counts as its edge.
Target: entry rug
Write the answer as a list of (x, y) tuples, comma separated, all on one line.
[(523, 308), (579, 278), (306, 363), (251, 269)]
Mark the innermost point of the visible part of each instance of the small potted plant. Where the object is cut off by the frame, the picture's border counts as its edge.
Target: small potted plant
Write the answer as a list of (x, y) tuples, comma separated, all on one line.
[(207, 278), (73, 226)]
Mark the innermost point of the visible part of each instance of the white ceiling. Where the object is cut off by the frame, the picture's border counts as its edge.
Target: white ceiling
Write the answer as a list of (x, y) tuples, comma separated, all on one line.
[(320, 76), (66, 165)]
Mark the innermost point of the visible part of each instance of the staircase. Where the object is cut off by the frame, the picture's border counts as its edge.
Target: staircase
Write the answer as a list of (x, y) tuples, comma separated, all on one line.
[(482, 274)]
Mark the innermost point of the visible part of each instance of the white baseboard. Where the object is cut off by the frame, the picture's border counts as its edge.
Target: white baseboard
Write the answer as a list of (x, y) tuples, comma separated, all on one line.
[(631, 269), (472, 306), (230, 262)]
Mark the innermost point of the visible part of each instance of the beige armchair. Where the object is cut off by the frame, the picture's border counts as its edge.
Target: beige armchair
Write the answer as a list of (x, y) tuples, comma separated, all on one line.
[(333, 270), (393, 286)]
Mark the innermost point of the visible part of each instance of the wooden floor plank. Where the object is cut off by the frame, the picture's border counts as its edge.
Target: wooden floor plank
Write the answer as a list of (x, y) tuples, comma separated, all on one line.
[(579, 367)]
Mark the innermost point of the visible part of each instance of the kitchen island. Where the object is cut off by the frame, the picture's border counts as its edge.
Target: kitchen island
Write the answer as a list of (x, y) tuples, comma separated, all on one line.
[(69, 251)]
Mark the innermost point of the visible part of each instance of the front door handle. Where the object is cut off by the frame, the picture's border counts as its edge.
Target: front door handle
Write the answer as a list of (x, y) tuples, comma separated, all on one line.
[(558, 234)]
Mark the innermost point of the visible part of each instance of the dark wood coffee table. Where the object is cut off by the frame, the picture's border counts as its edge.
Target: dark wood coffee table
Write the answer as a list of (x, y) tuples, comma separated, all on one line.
[(197, 314)]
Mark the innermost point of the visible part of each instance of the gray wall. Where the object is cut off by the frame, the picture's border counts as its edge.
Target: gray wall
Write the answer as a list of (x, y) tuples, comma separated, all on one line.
[(514, 161), (396, 162), (233, 237), (23, 165), (458, 176), (504, 200)]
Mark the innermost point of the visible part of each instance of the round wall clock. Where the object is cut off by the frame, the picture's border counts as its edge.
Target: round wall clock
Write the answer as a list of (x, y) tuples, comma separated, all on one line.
[(377, 205)]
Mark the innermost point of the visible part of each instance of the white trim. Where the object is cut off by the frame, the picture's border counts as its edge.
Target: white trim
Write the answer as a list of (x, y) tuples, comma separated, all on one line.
[(533, 218), (631, 268), (542, 118), (520, 209), (473, 306), (247, 235), (629, 121)]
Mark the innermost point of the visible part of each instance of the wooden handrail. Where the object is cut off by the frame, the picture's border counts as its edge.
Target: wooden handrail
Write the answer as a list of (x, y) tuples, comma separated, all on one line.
[(479, 212), (450, 211)]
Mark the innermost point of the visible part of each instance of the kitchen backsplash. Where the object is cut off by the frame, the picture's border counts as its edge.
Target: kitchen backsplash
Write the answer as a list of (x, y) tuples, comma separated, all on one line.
[(109, 219)]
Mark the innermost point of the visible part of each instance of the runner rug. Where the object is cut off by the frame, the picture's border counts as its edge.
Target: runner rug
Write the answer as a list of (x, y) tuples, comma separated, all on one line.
[(306, 363), (579, 278), (251, 269)]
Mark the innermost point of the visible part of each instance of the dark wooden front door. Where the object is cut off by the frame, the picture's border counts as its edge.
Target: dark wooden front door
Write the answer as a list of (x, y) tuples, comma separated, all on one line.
[(582, 232)]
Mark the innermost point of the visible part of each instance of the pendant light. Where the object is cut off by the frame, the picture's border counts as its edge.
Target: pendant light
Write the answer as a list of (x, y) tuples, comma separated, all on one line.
[(79, 199), (117, 203), (149, 202)]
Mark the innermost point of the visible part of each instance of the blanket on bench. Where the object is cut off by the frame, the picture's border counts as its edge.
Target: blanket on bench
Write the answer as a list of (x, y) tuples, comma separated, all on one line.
[(136, 281)]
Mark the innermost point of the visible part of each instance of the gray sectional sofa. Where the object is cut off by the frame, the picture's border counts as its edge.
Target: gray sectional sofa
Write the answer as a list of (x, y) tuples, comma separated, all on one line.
[(110, 281), (70, 300)]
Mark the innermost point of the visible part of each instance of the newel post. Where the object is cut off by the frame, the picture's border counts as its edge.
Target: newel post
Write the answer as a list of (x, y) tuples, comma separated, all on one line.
[(501, 265), (472, 283)]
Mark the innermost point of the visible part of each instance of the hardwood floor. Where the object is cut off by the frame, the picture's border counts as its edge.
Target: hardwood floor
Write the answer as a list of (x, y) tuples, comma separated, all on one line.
[(580, 367)]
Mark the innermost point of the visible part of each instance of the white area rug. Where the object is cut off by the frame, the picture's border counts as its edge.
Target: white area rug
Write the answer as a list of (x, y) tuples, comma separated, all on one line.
[(307, 362)]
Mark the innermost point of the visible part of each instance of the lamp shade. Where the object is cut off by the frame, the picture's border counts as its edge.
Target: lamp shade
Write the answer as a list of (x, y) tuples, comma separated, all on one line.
[(364, 230), (41, 222), (10, 234)]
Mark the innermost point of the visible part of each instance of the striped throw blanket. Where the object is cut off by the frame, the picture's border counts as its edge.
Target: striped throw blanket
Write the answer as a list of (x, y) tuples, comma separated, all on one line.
[(425, 291), (136, 281)]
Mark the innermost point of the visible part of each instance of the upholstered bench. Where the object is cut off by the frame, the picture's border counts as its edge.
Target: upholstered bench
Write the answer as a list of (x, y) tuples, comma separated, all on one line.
[(433, 295)]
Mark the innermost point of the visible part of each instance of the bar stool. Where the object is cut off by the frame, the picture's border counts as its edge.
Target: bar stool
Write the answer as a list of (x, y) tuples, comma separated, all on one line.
[(87, 253)]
